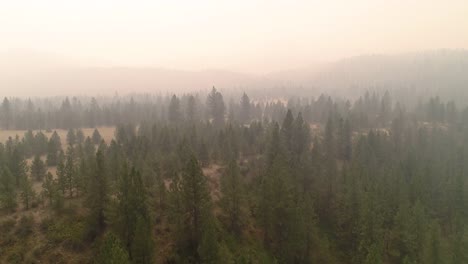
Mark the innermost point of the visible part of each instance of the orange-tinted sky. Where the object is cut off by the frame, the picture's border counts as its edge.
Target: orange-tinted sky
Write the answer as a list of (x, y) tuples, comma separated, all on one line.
[(250, 36)]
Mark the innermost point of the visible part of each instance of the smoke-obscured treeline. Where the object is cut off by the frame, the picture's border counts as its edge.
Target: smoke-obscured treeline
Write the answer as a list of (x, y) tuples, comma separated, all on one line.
[(207, 179), (371, 109)]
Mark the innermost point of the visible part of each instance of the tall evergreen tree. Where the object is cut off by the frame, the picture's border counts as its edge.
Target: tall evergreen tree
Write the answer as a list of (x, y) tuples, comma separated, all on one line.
[(174, 114), (38, 168), (70, 175), (6, 114), (27, 192), (61, 173), (53, 148), (245, 111), (49, 187), (71, 137), (7, 190), (233, 197), (191, 112), (96, 137), (346, 141), (17, 165), (111, 251), (98, 196), (216, 108), (191, 204), (133, 222)]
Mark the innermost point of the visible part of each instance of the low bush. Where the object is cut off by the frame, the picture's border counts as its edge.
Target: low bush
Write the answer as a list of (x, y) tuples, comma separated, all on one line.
[(7, 225), (25, 227)]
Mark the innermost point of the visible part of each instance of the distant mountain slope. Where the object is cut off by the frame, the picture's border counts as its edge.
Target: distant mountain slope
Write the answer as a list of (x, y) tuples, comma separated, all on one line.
[(443, 73), (410, 75), (38, 74)]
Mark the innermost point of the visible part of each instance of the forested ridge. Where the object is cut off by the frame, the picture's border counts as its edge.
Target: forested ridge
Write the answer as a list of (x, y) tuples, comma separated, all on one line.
[(199, 178)]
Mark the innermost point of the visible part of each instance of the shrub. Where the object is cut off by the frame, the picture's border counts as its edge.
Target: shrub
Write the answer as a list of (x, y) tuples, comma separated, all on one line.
[(66, 232), (7, 225), (25, 227)]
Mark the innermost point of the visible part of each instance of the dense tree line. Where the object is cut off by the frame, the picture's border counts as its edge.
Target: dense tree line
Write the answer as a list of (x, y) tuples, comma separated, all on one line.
[(303, 181), (370, 110)]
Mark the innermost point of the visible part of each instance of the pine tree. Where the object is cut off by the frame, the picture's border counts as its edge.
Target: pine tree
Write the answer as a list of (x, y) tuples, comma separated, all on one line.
[(52, 153), (71, 137), (27, 192), (385, 108), (245, 111), (330, 139), (7, 190), (97, 199), (209, 248), (142, 246), (433, 249), (70, 170), (54, 146), (61, 173), (191, 210), (49, 187), (6, 114), (132, 216), (28, 143), (346, 141), (89, 150), (233, 197), (40, 143), (216, 108), (38, 168), (203, 154), (300, 136), (287, 130), (112, 251), (17, 165), (278, 213), (55, 139), (277, 209), (191, 112), (79, 136), (174, 114), (96, 137)]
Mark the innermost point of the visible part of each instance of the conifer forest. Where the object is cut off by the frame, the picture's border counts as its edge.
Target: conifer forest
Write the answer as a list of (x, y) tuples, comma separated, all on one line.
[(200, 178), (234, 132)]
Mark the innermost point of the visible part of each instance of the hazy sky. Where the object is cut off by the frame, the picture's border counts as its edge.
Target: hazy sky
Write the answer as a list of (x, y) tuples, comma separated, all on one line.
[(254, 35)]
